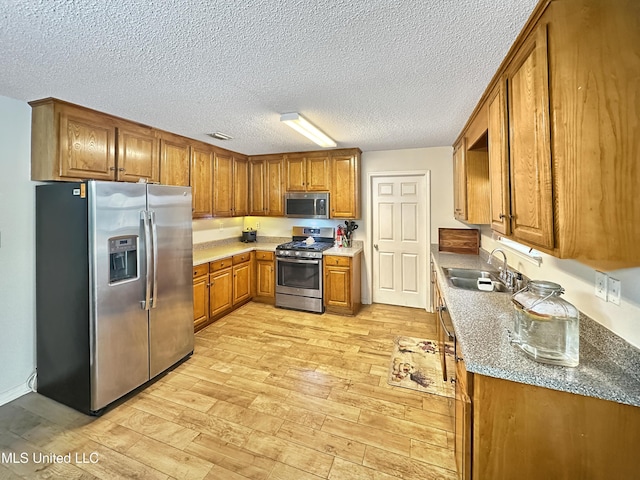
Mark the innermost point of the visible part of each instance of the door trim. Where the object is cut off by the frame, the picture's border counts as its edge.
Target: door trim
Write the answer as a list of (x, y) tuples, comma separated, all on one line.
[(368, 252)]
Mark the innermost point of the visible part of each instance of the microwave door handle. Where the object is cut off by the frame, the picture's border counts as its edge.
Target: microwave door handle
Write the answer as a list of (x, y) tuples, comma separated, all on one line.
[(154, 236), (146, 303), (310, 262)]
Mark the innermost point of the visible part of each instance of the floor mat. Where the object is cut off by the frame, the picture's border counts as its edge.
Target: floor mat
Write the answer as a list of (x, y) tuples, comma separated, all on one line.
[(415, 364)]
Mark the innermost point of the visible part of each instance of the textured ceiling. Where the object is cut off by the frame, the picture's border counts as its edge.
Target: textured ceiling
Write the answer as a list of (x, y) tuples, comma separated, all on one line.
[(376, 74)]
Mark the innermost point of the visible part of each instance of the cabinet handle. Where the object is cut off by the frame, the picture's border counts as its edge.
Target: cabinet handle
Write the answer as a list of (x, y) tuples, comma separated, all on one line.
[(502, 216), (111, 169), (121, 169), (375, 245)]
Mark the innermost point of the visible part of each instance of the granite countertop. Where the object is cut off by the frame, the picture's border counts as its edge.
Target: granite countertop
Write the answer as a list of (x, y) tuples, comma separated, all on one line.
[(608, 366), (213, 251), (345, 252)]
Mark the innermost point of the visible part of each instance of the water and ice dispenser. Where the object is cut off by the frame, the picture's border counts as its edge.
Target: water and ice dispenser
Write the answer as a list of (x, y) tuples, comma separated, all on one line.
[(123, 258)]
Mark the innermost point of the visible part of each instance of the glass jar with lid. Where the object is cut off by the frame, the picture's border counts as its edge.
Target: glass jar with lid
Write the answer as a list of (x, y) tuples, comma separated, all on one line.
[(546, 327)]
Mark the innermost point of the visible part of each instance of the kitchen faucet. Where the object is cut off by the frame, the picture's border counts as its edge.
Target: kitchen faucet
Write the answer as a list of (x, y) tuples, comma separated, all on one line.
[(505, 274)]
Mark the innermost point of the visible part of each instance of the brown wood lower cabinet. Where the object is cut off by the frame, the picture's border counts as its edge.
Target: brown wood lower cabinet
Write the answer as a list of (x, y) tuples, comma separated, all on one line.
[(265, 277), (220, 288), (342, 284), (200, 295), (528, 432), (223, 285), (242, 278), (464, 384)]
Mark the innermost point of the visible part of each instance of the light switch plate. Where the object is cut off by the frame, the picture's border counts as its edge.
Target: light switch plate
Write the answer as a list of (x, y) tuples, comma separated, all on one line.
[(601, 285), (613, 290)]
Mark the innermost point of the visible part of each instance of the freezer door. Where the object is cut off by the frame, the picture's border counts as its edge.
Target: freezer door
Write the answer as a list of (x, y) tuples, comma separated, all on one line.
[(118, 322), (171, 312)]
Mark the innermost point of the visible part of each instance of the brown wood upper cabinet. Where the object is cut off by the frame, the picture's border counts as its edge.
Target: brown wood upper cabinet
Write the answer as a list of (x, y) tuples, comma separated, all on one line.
[(69, 142), (459, 181), (563, 158), (345, 184), (307, 172), (202, 160), (174, 160), (519, 147), (499, 160), (231, 184), (137, 153), (529, 142), (266, 185)]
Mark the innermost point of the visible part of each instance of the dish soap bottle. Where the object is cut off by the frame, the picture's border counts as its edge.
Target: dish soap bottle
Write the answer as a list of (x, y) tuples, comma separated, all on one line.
[(547, 328)]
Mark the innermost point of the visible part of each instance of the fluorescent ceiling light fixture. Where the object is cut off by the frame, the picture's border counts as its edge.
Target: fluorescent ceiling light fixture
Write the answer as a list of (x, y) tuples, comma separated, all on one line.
[(306, 128), (220, 136)]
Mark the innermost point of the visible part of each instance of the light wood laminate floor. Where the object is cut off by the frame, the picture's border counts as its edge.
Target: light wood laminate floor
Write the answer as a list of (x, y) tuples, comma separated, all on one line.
[(268, 394)]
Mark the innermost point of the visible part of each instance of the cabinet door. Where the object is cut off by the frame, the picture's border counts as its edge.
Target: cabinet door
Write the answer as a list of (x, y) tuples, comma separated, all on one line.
[(265, 284), (499, 162), (529, 142), (202, 180), (87, 145), (344, 187), (240, 186), (241, 282), (459, 182), (337, 288), (257, 182), (174, 161), (223, 185), (274, 194), (462, 446), (200, 301), (317, 177), (138, 150), (220, 292), (296, 173)]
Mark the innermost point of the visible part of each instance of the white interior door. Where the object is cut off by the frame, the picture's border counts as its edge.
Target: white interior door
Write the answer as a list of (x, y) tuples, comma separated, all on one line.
[(399, 228)]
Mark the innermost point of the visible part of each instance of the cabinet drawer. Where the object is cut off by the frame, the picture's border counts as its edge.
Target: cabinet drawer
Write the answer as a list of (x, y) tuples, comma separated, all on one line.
[(241, 258), (219, 264), (200, 270), (337, 261), (264, 255)]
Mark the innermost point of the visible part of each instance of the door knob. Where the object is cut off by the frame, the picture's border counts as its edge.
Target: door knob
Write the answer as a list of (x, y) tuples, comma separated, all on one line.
[(375, 245)]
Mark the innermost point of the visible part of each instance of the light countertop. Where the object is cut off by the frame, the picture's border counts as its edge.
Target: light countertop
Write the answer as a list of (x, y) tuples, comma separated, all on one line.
[(608, 366), (227, 249)]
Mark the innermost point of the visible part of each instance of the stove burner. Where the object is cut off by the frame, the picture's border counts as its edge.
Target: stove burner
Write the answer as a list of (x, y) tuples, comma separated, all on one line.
[(302, 246)]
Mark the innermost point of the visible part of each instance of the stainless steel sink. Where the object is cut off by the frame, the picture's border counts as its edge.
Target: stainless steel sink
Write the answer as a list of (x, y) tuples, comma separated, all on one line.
[(467, 279)]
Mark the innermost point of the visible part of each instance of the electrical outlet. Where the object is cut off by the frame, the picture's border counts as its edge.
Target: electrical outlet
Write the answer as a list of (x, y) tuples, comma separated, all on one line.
[(220, 224), (601, 285), (613, 290), (257, 225)]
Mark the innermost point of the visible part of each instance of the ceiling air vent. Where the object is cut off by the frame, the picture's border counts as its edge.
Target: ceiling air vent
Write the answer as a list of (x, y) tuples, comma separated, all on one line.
[(220, 136)]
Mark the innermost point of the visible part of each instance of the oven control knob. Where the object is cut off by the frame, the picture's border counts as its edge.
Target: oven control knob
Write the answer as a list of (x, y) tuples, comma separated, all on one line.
[(297, 254)]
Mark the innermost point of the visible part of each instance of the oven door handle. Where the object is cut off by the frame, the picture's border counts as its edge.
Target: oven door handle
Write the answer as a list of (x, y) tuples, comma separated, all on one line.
[(298, 260)]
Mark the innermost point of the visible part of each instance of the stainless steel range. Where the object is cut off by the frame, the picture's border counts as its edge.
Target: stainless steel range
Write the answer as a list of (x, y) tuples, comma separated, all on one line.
[(299, 269)]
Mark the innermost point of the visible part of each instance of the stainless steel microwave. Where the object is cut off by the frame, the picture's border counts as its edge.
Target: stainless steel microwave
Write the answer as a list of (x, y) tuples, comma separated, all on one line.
[(306, 205)]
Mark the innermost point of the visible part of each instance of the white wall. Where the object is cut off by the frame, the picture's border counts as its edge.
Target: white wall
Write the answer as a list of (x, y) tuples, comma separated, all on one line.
[(17, 250), (439, 162), (578, 281)]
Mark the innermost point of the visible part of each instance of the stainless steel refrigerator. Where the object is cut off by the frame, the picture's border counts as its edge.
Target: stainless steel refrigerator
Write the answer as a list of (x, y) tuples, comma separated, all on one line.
[(114, 294)]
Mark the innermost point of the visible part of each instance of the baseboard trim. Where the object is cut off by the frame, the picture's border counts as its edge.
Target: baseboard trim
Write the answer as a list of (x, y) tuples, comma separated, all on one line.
[(13, 393)]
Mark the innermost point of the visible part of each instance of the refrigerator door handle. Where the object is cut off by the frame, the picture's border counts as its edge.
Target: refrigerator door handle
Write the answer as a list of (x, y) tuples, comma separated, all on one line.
[(146, 303), (154, 294)]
